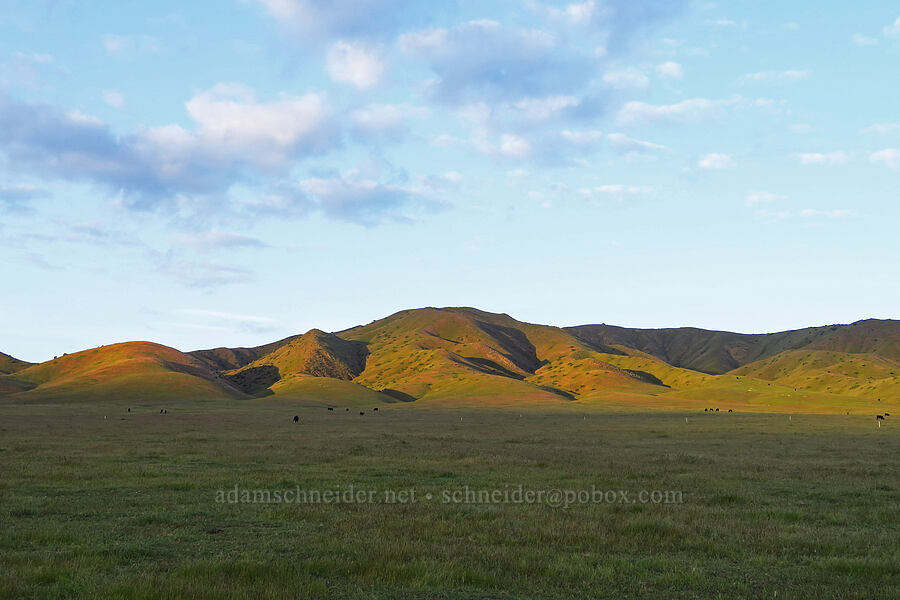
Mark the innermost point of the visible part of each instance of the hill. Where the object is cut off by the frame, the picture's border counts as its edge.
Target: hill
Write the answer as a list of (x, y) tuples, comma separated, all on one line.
[(315, 354), (127, 371), (718, 352), (9, 364), (465, 356)]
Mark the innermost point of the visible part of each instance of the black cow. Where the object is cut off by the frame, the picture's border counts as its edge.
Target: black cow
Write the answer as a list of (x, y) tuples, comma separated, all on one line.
[(887, 414), (729, 410), (160, 411), (129, 410), (361, 412), (329, 408), (705, 410), (717, 410), (296, 418), (375, 409), (348, 410), (879, 417)]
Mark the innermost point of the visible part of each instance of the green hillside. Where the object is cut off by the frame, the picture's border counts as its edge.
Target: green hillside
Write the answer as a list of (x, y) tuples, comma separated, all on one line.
[(468, 357), (127, 371), (9, 364)]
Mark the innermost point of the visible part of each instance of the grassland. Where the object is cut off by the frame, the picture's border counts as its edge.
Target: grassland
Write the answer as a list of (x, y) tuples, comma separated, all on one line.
[(99, 502)]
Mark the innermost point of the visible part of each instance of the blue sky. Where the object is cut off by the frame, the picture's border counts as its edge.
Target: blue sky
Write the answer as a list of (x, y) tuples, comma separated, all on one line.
[(232, 172)]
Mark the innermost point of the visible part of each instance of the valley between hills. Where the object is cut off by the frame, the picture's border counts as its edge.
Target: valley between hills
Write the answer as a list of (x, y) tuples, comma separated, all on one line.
[(468, 357)]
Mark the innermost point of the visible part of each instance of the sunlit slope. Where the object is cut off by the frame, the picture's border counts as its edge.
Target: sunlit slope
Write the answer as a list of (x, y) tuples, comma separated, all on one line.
[(9, 364), (128, 371), (328, 392), (827, 371), (467, 353)]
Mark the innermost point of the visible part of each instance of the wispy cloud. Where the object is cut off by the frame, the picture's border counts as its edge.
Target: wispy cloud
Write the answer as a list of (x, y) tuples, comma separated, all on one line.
[(823, 158), (889, 157), (716, 161), (789, 75)]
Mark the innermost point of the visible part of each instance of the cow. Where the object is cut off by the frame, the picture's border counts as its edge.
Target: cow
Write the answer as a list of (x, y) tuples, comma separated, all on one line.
[(717, 410), (879, 417), (375, 409), (705, 410), (729, 410), (296, 418), (329, 408), (887, 414), (361, 413)]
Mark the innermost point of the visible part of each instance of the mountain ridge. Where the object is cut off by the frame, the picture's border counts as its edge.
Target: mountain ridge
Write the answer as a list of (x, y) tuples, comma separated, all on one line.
[(466, 355)]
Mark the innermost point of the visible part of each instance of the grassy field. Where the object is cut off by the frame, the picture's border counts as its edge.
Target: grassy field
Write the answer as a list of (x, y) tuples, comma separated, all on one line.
[(99, 502)]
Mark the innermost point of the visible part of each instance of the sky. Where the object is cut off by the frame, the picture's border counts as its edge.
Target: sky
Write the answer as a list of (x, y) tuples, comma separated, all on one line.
[(231, 172)]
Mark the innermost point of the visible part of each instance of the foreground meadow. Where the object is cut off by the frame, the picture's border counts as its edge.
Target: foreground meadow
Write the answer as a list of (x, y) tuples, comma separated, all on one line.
[(99, 502)]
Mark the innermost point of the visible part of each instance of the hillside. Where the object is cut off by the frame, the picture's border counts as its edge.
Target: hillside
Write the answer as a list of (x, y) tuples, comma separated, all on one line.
[(127, 371), (718, 352), (465, 356), (315, 354), (9, 364)]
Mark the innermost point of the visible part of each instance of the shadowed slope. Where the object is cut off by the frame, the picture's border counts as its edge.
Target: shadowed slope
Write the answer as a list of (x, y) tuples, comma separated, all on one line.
[(712, 352), (128, 371), (226, 359), (315, 353)]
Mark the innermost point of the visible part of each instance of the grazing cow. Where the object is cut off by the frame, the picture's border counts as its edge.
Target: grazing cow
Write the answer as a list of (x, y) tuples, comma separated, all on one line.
[(705, 410), (879, 417), (160, 411), (375, 409), (361, 412), (717, 410), (729, 410), (166, 411), (296, 418), (329, 408)]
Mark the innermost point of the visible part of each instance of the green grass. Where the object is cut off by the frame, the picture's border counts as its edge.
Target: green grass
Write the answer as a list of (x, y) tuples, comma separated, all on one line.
[(124, 506)]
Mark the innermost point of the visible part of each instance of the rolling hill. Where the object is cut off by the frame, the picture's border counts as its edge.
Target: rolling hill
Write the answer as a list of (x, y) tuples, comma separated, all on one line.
[(131, 371), (9, 364), (465, 356)]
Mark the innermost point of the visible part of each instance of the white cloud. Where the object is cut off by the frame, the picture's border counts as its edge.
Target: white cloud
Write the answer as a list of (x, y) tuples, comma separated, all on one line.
[(787, 76), (893, 29), (359, 197), (670, 70), (385, 119), (755, 198), (580, 138), (686, 111), (356, 64), (716, 160), (626, 79), (820, 158), (625, 145), (542, 109), (889, 157), (218, 239), (863, 40), (114, 98), (616, 192), (123, 44), (514, 146), (882, 128)]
